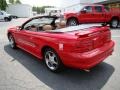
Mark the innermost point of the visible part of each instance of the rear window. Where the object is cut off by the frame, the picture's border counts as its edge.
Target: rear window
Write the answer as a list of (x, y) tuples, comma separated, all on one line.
[(88, 9), (98, 8)]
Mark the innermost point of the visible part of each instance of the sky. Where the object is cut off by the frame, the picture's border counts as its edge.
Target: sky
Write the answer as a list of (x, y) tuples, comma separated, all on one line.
[(71, 2), (42, 2), (57, 3)]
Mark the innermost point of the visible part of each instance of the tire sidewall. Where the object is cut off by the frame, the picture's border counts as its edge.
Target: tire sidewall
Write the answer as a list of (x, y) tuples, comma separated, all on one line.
[(7, 19), (60, 64), (111, 23), (71, 20)]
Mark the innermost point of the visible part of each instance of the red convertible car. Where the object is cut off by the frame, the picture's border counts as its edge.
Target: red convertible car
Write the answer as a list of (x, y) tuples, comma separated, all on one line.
[(81, 47)]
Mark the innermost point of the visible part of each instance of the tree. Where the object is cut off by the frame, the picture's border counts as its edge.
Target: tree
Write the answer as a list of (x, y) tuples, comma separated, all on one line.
[(11, 1), (17, 2), (34, 8), (41, 9), (3, 4), (38, 10)]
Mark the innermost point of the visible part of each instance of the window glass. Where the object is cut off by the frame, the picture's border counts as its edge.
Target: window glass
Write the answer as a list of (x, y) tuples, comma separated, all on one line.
[(88, 9), (98, 8), (39, 22)]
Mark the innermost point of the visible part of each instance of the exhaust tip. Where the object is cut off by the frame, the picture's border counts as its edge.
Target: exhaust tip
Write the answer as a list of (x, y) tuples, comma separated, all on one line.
[(86, 70)]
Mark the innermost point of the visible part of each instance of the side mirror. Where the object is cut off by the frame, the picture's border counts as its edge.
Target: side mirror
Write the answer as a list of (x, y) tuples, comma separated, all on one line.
[(19, 27)]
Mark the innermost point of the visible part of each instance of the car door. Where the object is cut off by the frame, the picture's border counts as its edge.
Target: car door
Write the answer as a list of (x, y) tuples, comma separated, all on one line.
[(86, 15), (99, 14), (30, 40), (26, 38), (27, 41)]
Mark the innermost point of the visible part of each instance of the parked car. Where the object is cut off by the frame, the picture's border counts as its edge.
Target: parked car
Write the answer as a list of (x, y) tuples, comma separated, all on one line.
[(5, 16), (93, 13), (81, 47)]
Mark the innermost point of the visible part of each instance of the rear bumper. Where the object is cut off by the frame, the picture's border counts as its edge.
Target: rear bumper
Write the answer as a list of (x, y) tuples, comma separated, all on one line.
[(89, 59)]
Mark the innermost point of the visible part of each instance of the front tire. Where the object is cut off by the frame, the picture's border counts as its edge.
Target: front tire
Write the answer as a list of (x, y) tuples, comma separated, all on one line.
[(114, 23), (12, 41), (52, 60), (72, 22)]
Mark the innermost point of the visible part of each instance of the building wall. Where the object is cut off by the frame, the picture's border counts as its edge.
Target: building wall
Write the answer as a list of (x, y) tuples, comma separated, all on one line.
[(114, 5), (20, 10), (50, 10), (67, 4)]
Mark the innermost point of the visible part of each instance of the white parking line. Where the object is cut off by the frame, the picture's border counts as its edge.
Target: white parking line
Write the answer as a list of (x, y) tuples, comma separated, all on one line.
[(116, 36)]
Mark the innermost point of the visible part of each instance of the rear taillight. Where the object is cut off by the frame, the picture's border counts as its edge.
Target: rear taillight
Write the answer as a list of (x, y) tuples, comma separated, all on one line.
[(84, 46), (108, 38), (88, 41)]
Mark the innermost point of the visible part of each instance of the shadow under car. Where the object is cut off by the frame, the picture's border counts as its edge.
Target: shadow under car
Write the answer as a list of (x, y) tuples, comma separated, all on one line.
[(69, 79)]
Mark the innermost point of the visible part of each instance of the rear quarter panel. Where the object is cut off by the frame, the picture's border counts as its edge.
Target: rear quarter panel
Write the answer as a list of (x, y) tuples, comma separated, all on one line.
[(71, 15), (55, 41), (115, 12)]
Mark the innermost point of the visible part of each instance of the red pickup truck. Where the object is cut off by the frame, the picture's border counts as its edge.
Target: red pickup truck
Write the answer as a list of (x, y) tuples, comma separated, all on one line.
[(92, 13)]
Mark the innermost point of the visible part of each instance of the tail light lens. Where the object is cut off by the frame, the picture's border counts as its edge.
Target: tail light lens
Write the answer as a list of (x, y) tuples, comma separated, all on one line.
[(108, 37), (84, 46), (90, 41)]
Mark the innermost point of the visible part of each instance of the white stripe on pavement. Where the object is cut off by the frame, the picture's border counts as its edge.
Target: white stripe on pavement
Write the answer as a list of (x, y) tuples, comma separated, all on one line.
[(116, 36)]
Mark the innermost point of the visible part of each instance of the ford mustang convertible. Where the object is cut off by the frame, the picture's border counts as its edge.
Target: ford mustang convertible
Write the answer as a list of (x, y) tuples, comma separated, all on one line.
[(81, 47)]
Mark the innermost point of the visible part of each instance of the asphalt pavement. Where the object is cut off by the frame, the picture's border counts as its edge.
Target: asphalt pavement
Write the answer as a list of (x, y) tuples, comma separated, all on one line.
[(22, 71)]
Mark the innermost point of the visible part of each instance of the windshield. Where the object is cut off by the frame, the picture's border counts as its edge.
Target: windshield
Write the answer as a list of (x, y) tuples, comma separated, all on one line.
[(39, 22)]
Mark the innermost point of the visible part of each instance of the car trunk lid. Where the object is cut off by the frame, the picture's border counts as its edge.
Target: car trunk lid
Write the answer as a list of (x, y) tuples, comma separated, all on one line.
[(92, 38)]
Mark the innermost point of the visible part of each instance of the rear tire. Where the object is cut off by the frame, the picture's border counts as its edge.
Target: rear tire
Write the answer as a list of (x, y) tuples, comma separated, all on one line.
[(7, 19), (52, 60), (114, 23), (72, 22)]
